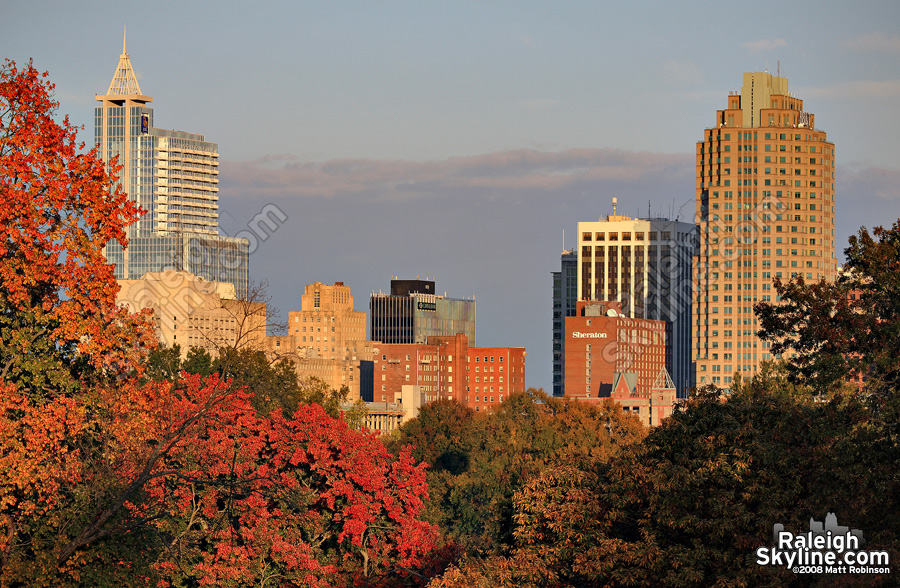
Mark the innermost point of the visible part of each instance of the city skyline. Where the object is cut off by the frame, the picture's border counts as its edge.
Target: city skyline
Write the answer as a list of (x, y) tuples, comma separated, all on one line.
[(461, 141)]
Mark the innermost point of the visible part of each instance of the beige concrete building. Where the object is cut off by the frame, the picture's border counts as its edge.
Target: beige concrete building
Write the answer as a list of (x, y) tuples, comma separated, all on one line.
[(644, 264), (193, 312), (765, 206), (329, 339)]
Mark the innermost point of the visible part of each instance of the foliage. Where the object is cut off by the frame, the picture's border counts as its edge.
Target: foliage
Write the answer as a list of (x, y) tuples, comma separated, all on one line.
[(108, 478), (272, 386), (164, 364), (827, 335), (58, 208), (480, 460), (690, 504), (198, 361), (305, 500)]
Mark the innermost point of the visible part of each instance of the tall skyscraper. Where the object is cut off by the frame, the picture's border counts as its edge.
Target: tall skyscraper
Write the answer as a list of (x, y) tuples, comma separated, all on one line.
[(765, 206), (173, 176), (645, 264), (565, 296), (412, 313)]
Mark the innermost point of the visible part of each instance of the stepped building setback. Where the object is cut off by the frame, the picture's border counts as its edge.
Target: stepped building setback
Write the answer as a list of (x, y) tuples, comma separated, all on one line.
[(174, 177), (329, 340), (765, 206)]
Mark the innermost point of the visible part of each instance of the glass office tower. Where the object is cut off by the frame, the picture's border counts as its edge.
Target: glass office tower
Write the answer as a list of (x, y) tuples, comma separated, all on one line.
[(173, 176)]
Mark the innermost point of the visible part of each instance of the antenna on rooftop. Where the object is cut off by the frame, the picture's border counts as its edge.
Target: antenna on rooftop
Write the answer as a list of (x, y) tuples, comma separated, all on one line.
[(615, 201)]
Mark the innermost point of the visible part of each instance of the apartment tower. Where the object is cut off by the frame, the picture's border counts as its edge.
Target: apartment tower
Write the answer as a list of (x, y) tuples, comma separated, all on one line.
[(765, 207), (174, 177)]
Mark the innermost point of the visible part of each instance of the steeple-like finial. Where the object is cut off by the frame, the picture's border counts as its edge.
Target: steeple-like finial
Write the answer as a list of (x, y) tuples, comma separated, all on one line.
[(124, 82)]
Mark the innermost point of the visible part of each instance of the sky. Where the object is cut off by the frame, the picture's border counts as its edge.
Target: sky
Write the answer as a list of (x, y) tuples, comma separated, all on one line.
[(463, 141)]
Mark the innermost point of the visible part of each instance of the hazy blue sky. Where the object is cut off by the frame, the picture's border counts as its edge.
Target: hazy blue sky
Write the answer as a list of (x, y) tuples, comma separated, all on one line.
[(458, 140)]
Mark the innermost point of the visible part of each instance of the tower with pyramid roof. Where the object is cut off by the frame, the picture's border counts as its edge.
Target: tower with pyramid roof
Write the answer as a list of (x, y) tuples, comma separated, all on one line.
[(174, 177)]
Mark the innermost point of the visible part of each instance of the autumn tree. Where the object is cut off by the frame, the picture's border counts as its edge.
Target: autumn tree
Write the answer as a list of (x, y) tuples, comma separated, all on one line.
[(480, 460), (58, 208), (689, 505), (109, 479)]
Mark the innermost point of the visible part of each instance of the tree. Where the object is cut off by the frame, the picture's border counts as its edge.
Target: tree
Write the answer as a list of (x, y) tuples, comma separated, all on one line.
[(198, 361), (245, 499), (690, 504), (480, 460), (58, 208), (832, 331), (110, 479), (164, 364)]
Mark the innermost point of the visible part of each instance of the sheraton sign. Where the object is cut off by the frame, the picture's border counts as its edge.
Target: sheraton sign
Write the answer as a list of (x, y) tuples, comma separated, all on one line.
[(580, 335)]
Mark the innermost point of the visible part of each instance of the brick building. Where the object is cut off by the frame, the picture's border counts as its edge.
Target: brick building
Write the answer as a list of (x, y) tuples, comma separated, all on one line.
[(601, 343), (447, 368), (493, 374)]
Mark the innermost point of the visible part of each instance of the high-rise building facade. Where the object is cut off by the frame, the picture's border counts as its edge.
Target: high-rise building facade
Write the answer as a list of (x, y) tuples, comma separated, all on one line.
[(765, 207), (565, 295), (644, 264), (330, 339), (412, 313), (173, 176)]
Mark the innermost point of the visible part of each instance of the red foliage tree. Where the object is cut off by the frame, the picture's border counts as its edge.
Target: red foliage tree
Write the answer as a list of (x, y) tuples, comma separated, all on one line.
[(105, 480)]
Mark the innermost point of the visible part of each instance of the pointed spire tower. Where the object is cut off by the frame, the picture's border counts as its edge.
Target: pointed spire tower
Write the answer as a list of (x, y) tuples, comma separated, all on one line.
[(122, 116), (180, 229), (124, 84)]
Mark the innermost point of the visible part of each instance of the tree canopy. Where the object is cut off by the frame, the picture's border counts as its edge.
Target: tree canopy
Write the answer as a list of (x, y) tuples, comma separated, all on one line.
[(831, 332), (113, 474)]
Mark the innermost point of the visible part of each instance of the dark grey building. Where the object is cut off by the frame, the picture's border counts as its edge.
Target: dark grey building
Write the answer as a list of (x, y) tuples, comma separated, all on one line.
[(412, 312)]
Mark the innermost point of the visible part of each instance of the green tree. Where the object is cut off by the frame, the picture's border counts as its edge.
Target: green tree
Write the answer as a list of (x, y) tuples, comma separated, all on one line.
[(480, 460), (832, 331), (164, 364), (198, 361)]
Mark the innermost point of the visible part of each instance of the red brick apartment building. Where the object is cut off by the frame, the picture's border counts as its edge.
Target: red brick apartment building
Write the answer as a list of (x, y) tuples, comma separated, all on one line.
[(447, 368)]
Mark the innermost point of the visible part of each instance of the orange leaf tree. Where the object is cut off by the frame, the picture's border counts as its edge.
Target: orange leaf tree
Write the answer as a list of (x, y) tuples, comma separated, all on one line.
[(107, 479), (58, 208)]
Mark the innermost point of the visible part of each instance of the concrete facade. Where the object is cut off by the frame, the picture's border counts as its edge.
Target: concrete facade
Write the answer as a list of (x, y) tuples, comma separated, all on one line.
[(330, 339), (645, 264), (193, 312), (765, 207)]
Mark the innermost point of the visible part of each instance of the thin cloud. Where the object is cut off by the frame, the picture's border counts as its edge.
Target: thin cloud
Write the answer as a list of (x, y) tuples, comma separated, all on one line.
[(858, 89), (872, 182), (874, 42), (764, 45), (519, 170)]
